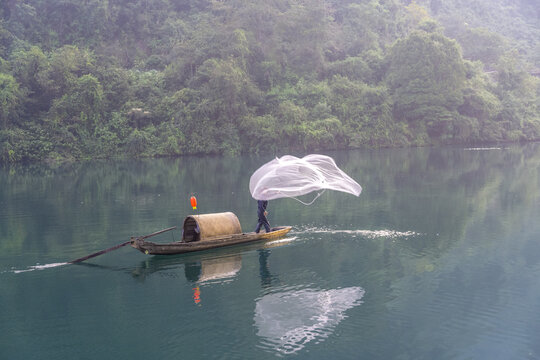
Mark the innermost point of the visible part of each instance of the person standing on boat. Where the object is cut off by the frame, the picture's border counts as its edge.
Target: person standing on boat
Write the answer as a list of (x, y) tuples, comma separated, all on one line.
[(261, 213)]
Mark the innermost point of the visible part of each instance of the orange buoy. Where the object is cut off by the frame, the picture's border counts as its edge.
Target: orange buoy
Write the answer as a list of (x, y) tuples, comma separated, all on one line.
[(193, 201)]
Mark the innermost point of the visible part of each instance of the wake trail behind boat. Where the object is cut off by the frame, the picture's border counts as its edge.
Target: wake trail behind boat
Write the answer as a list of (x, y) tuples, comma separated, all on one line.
[(38, 267), (282, 241), (372, 234)]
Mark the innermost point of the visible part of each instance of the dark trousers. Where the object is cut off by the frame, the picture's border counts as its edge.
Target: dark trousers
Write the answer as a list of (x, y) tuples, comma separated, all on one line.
[(263, 222)]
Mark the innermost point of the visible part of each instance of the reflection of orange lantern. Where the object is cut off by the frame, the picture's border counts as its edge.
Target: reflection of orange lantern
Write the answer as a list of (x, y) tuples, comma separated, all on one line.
[(193, 200), (197, 295)]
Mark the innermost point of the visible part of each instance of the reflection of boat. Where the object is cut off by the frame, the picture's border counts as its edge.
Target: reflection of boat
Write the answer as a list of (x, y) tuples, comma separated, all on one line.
[(216, 269), (198, 267), (289, 320), (207, 231)]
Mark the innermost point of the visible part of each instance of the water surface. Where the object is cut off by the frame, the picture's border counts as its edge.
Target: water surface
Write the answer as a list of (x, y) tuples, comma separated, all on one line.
[(439, 258)]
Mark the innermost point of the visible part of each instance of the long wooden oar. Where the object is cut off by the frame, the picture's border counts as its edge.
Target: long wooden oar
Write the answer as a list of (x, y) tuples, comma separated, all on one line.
[(118, 246)]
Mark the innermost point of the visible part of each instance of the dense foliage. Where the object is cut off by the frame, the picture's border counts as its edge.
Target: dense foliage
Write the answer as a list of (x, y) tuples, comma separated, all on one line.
[(102, 78)]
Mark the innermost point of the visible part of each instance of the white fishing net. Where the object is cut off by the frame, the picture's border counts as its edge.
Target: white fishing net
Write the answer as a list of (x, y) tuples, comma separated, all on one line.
[(290, 176)]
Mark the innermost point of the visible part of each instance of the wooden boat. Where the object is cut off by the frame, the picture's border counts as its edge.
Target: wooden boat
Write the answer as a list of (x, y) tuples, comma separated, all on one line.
[(207, 231), (181, 247)]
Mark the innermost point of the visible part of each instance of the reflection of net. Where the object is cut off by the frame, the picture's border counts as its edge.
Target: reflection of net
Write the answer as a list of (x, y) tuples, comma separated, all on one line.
[(288, 321), (290, 176)]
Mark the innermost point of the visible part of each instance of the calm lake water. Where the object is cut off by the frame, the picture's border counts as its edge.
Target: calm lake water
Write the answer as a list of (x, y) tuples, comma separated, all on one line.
[(439, 258)]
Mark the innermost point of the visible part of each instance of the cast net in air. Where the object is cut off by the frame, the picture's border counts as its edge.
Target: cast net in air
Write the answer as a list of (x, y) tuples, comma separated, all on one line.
[(289, 176)]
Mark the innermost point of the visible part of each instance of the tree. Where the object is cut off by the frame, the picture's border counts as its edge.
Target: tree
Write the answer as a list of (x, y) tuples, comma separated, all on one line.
[(479, 110), (481, 44), (228, 93), (426, 78), (28, 67), (65, 66), (365, 112), (518, 92), (10, 99), (81, 105), (303, 36), (5, 38), (415, 15), (227, 87), (367, 25)]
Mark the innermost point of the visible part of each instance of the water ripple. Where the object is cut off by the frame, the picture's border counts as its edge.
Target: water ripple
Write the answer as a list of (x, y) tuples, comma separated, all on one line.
[(370, 234)]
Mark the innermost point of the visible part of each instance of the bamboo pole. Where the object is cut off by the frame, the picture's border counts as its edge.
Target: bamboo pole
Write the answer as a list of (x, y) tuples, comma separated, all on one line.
[(118, 246)]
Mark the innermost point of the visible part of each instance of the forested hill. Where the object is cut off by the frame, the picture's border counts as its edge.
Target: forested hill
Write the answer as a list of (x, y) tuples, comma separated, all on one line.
[(102, 78)]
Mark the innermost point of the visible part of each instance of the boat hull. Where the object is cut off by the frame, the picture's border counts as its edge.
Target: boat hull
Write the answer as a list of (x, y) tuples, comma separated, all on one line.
[(181, 247)]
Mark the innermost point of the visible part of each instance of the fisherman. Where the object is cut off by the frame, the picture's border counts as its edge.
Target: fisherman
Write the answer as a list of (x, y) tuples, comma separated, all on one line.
[(261, 212)]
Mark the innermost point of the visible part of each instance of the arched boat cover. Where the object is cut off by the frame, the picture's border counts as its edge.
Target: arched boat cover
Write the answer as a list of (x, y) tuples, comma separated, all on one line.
[(206, 226)]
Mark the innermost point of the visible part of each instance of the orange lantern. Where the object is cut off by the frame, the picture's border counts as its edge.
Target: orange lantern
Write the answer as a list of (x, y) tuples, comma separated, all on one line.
[(193, 201)]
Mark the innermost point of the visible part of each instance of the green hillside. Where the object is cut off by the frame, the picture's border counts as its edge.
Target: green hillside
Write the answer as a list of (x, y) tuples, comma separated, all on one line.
[(105, 78)]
